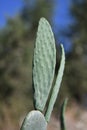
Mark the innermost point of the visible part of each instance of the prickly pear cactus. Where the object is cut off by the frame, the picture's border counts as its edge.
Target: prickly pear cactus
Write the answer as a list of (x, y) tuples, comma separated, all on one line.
[(34, 121), (44, 63), (43, 75), (56, 86)]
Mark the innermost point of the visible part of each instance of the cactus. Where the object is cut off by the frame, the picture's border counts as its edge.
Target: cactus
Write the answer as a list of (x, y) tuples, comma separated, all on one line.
[(43, 75), (56, 86), (44, 63), (34, 121), (62, 115)]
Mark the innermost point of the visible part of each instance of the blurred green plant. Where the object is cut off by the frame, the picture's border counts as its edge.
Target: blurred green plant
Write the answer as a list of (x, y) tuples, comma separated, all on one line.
[(16, 50), (76, 64), (43, 75), (62, 115)]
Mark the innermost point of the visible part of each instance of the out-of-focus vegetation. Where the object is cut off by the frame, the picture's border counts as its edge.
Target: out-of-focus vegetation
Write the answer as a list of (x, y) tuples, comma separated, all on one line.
[(17, 40), (76, 61)]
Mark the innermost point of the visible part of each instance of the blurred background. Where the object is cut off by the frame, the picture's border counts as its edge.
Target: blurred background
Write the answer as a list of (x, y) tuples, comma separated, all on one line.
[(18, 26)]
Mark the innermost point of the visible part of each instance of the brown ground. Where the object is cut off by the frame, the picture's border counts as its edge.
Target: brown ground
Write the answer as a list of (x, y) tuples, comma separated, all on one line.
[(76, 119)]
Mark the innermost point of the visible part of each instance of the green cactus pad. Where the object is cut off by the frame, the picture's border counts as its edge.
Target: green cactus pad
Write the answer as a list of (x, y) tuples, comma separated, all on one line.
[(56, 86), (34, 121), (44, 63)]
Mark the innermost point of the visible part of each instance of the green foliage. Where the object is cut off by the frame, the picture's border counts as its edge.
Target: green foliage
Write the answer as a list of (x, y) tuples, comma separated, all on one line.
[(16, 49), (44, 56), (16, 52), (78, 10), (80, 49), (31, 15), (75, 78), (13, 45)]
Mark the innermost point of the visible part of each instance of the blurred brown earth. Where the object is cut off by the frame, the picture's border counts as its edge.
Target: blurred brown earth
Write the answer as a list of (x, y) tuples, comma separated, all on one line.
[(75, 117)]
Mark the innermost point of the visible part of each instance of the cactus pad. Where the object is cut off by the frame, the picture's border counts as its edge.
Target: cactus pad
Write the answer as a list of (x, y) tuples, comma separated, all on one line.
[(34, 121), (44, 63)]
